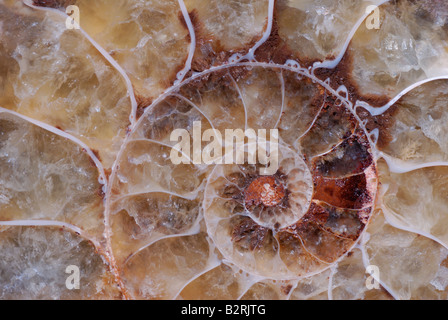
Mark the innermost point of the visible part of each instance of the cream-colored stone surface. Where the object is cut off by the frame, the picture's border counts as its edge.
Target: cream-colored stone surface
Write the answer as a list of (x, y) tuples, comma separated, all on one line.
[(417, 201), (162, 270), (350, 280), (419, 131), (410, 265), (228, 24), (409, 46), (147, 38), (55, 75), (317, 30), (47, 177), (34, 260)]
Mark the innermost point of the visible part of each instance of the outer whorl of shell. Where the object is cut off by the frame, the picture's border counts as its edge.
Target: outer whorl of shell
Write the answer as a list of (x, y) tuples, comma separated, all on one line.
[(290, 224)]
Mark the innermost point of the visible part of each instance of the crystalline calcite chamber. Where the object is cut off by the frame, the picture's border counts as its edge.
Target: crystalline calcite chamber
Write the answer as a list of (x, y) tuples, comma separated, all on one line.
[(356, 89)]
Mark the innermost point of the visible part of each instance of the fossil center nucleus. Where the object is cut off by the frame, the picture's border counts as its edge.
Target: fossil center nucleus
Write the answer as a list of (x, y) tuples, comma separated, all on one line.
[(265, 190)]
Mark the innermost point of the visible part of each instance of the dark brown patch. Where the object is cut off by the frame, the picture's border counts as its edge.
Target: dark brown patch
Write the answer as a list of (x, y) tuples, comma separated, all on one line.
[(209, 50), (56, 4), (344, 223), (250, 232), (333, 121), (341, 75), (383, 123), (317, 214), (237, 178), (352, 156), (100, 192), (142, 103), (349, 193), (232, 192), (277, 50), (286, 289), (274, 48), (97, 154), (322, 244), (107, 172), (214, 81)]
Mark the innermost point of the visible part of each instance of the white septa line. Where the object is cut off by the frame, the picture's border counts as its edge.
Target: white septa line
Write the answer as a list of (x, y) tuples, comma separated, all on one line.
[(181, 74), (396, 165), (295, 283), (102, 176), (130, 88), (212, 230), (157, 189), (250, 281), (396, 223), (331, 64), (240, 93), (378, 111), (333, 270), (208, 268), (194, 229), (161, 144), (201, 73), (50, 223), (102, 179), (189, 196), (282, 83), (291, 66), (173, 89), (308, 129), (250, 55), (105, 54), (191, 103), (212, 263)]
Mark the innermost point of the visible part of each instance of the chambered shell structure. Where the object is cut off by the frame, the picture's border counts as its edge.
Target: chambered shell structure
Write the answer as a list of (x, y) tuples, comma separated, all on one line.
[(116, 119)]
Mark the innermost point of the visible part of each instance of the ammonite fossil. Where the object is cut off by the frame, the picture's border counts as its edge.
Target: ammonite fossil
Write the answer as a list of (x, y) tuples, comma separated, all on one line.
[(336, 109)]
